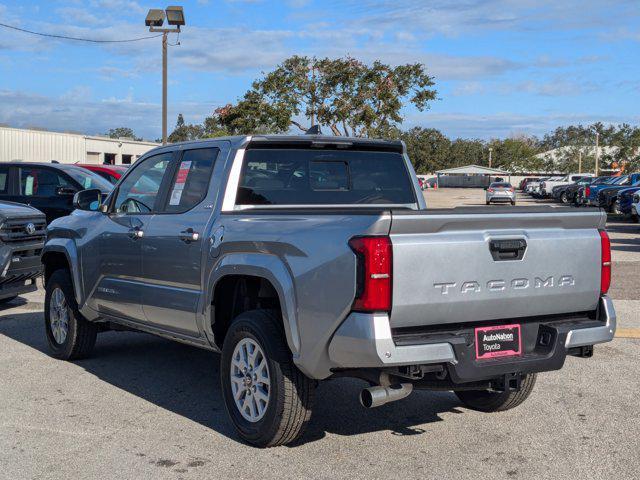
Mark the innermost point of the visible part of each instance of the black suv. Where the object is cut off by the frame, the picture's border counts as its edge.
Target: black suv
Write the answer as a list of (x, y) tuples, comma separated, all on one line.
[(22, 232), (49, 187)]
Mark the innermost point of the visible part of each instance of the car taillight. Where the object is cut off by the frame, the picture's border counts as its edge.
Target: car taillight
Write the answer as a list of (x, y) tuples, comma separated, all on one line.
[(373, 292), (512, 189), (587, 192), (605, 272), (490, 190)]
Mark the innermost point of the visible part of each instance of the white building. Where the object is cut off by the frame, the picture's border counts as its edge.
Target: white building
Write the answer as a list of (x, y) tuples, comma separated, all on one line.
[(40, 146)]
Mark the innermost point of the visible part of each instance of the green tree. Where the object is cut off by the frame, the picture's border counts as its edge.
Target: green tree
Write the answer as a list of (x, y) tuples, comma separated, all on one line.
[(122, 132), (428, 149), (350, 97), (183, 132)]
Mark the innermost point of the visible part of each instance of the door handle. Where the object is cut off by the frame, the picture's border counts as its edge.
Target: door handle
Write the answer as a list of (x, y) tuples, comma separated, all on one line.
[(136, 233), (189, 235)]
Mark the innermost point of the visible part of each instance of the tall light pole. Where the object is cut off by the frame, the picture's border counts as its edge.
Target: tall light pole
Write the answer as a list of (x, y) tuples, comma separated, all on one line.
[(155, 20), (597, 152), (490, 151)]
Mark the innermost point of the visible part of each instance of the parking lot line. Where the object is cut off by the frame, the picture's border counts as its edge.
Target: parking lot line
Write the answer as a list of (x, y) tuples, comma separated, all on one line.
[(628, 332)]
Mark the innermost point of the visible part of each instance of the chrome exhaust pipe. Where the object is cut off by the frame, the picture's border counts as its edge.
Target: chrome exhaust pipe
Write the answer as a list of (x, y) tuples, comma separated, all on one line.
[(377, 396)]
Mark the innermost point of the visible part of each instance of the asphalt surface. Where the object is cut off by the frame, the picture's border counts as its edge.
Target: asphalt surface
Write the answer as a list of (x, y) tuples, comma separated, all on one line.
[(143, 407)]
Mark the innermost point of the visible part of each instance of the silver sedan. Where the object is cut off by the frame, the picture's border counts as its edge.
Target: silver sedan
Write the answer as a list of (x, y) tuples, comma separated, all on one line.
[(501, 192)]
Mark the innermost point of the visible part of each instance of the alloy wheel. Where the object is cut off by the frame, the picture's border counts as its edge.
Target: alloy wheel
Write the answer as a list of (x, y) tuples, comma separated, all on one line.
[(250, 382)]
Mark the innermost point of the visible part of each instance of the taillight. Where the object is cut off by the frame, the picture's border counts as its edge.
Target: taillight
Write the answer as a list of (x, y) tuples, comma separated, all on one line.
[(512, 189), (490, 190), (587, 192), (605, 272), (373, 292)]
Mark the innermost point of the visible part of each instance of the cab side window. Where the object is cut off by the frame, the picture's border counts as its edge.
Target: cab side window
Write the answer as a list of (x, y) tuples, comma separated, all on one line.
[(138, 192), (191, 179), (41, 182)]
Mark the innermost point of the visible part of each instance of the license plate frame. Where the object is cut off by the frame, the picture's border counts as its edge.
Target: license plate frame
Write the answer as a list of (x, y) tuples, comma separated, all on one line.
[(497, 343)]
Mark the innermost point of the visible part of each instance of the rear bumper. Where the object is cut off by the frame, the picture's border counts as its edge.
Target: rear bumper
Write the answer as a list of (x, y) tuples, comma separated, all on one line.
[(366, 341)]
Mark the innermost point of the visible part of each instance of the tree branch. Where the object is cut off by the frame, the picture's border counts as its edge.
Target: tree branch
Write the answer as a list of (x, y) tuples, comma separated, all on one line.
[(293, 122), (335, 130)]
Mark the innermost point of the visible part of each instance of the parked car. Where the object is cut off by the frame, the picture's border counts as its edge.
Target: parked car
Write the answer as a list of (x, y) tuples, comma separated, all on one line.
[(534, 186), (635, 207), (567, 193), (500, 192), (626, 201), (49, 187), (22, 231), (591, 192), (581, 197), (525, 181), (306, 258), (608, 197), (547, 186), (111, 173)]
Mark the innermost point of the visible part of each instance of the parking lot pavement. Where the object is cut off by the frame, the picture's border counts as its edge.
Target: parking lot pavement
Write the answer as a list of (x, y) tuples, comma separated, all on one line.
[(143, 407)]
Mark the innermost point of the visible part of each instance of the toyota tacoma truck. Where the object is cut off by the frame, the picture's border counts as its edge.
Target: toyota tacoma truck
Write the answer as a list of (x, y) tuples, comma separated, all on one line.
[(306, 258), (22, 231)]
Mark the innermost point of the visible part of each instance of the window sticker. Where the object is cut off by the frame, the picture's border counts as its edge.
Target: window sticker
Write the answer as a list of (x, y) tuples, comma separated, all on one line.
[(87, 182), (28, 188), (181, 180)]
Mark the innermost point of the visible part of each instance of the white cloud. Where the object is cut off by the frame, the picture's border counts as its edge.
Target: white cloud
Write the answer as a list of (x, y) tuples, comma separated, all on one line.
[(507, 124), (78, 111)]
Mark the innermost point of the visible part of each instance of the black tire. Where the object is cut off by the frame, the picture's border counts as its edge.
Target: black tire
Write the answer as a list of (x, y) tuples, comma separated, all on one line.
[(615, 207), (635, 218), (486, 401), (488, 203), (564, 197), (4, 301), (292, 393), (81, 334), (513, 203)]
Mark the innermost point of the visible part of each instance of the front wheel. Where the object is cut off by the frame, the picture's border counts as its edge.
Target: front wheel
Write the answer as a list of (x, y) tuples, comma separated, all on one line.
[(564, 198), (69, 334), (487, 401), (513, 202), (268, 399)]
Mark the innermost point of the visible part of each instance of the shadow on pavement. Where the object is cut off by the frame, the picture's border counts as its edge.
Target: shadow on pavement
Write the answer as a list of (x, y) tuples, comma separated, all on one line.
[(185, 380)]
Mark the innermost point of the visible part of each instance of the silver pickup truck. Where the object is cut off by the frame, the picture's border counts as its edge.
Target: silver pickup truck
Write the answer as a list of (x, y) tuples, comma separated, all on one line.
[(306, 258)]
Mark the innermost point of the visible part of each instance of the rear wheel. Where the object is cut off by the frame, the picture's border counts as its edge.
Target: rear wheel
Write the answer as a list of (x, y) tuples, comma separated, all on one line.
[(488, 203), (69, 334), (487, 401), (268, 399), (564, 198), (513, 202)]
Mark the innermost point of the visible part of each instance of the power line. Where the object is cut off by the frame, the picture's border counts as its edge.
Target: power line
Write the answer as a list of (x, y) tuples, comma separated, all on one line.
[(77, 39)]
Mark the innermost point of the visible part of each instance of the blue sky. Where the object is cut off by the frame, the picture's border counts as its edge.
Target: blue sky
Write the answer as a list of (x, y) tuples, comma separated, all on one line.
[(502, 67)]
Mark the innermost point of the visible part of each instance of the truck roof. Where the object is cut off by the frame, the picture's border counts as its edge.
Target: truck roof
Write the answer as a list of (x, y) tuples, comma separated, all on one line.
[(302, 140)]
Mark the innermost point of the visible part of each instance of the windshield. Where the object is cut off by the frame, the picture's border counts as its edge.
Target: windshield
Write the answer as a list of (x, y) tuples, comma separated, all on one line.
[(88, 179)]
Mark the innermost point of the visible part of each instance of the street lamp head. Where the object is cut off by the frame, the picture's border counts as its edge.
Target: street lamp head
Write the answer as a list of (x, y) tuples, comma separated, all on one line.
[(175, 16), (155, 18)]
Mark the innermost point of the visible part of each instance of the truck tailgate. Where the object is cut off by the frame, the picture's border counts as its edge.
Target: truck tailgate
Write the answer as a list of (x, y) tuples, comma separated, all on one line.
[(474, 264)]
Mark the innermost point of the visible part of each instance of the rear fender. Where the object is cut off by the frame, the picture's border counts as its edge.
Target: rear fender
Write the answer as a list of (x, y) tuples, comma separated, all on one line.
[(270, 268)]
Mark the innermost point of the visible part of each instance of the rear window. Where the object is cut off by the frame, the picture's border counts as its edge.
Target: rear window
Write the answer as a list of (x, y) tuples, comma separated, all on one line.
[(325, 177), (501, 185)]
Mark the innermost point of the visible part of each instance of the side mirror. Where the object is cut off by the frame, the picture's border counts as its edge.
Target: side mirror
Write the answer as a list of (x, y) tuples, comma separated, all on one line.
[(88, 200), (66, 191)]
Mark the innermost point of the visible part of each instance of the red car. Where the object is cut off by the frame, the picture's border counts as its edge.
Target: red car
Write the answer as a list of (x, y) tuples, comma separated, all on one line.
[(111, 172)]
